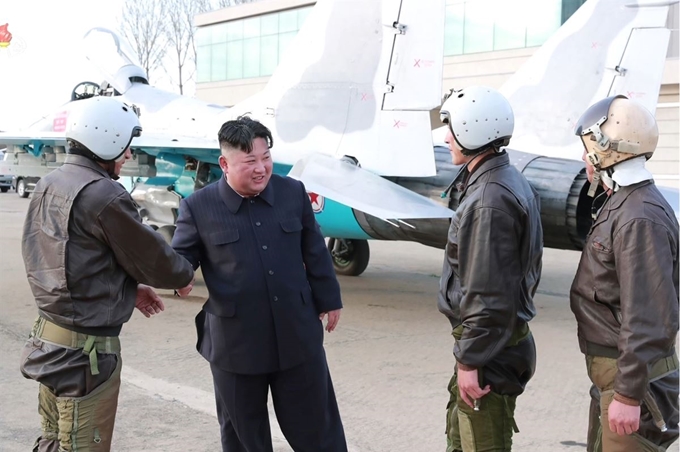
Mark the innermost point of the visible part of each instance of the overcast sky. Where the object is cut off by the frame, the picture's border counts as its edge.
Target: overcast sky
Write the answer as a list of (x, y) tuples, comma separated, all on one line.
[(44, 61)]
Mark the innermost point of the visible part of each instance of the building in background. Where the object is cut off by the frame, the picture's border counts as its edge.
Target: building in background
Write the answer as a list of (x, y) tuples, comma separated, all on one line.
[(486, 41)]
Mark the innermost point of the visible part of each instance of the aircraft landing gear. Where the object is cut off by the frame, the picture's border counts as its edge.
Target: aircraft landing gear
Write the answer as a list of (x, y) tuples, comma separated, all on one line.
[(350, 256), (167, 232)]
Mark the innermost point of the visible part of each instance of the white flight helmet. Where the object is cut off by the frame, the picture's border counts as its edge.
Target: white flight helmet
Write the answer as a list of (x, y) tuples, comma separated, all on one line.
[(104, 126), (479, 117)]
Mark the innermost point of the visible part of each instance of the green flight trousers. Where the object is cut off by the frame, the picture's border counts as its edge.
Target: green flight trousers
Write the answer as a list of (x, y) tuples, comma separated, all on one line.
[(489, 429), (79, 378), (649, 438)]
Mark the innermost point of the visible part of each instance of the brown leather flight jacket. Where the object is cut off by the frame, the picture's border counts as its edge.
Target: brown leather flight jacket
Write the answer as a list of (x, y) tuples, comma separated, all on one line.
[(625, 292), (85, 249), (493, 261)]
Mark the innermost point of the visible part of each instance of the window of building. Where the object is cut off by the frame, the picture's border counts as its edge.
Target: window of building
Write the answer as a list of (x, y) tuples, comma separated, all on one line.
[(245, 48), (569, 7), (474, 26), (253, 47)]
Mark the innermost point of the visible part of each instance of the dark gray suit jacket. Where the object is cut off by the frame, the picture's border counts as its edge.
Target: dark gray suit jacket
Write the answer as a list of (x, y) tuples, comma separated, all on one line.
[(268, 272)]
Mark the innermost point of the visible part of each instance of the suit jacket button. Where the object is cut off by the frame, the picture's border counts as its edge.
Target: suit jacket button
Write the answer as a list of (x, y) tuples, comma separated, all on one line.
[(276, 298), (257, 223), (271, 272), (264, 247)]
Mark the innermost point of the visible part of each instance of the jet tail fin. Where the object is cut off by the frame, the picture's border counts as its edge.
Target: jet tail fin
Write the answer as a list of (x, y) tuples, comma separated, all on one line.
[(607, 47), (359, 79)]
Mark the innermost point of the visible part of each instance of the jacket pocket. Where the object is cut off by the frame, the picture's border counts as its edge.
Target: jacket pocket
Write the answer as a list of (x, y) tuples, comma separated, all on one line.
[(615, 311), (31, 361), (224, 237), (307, 296), (292, 225), (601, 244)]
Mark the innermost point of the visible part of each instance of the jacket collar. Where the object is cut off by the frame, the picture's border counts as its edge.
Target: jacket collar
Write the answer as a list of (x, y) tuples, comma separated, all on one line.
[(79, 160), (488, 163), (615, 200), (620, 196), (233, 200)]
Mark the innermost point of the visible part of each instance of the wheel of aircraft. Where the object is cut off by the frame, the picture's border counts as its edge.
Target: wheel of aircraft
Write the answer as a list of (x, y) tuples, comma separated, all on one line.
[(167, 232), (350, 256)]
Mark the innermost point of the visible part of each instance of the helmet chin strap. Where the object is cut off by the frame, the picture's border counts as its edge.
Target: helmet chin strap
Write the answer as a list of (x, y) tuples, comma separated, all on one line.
[(597, 177), (608, 181), (594, 160)]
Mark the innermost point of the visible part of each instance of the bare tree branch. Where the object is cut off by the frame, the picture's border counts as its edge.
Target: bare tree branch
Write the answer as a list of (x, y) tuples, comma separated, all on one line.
[(226, 3), (181, 35), (143, 24), (164, 30)]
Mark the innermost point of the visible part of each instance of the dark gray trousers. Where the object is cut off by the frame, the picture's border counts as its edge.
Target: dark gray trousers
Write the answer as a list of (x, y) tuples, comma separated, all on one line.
[(304, 402)]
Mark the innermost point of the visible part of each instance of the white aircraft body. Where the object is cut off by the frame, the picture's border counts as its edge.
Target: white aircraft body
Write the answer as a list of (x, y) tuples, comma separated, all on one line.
[(349, 108)]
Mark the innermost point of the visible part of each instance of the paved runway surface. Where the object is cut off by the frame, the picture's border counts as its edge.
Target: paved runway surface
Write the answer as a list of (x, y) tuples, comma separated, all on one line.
[(390, 359)]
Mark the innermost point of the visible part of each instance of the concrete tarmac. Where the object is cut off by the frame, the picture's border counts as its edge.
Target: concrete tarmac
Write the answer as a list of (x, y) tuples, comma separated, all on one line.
[(390, 359)]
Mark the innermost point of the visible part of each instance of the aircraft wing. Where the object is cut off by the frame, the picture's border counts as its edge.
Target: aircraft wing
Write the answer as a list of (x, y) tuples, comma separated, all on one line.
[(46, 138), (173, 142), (362, 190), (200, 148), (148, 142)]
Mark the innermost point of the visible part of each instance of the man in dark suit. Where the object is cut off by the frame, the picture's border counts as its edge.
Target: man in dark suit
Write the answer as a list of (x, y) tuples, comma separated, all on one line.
[(271, 282)]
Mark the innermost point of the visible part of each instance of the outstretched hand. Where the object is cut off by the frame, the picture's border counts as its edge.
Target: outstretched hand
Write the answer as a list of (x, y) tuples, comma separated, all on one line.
[(148, 302), (333, 319)]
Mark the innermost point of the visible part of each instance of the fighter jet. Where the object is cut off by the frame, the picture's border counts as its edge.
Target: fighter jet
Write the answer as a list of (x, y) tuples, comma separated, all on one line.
[(349, 107)]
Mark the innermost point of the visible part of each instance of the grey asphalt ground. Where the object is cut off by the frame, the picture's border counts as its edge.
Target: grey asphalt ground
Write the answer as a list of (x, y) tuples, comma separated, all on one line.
[(390, 358)]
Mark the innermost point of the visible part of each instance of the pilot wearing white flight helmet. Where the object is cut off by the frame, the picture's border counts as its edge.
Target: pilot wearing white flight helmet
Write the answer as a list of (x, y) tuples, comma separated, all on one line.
[(89, 261), (491, 270)]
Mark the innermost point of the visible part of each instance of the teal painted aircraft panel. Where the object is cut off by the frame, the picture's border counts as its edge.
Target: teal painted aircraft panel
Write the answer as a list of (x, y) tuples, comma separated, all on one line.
[(335, 219)]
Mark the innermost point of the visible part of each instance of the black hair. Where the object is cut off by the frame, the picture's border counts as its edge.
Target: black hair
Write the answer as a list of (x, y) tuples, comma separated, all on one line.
[(72, 146), (76, 148), (241, 132)]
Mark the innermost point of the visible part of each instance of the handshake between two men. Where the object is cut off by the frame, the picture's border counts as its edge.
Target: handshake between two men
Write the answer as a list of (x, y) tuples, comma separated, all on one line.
[(149, 303)]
